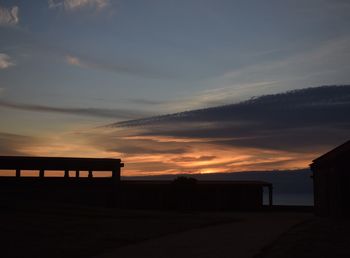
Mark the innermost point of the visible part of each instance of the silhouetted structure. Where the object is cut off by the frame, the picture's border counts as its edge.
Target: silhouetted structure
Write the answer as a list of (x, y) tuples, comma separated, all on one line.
[(41, 164), (90, 190), (331, 177), (194, 195), (182, 193)]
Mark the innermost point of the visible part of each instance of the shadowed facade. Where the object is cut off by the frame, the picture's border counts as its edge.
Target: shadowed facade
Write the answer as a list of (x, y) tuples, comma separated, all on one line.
[(332, 182), (195, 195)]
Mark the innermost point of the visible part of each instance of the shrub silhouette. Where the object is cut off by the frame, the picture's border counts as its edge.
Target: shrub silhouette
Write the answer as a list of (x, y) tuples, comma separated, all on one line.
[(184, 192), (185, 181)]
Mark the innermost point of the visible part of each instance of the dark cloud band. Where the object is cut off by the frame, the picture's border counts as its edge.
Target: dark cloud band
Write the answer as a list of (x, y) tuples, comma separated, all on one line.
[(297, 120), (92, 112)]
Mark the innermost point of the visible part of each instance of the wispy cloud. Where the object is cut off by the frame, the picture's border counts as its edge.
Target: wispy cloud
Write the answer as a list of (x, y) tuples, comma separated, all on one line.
[(322, 63), (5, 61), (72, 5), (205, 98), (191, 159), (73, 60), (11, 144), (220, 96), (297, 120), (9, 16), (60, 144), (145, 102), (151, 156), (328, 55), (92, 112), (132, 68)]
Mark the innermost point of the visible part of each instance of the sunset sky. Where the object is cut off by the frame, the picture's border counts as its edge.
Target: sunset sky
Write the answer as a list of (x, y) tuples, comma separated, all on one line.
[(82, 77)]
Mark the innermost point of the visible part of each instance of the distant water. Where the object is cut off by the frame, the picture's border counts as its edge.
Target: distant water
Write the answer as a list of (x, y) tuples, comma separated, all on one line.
[(290, 187), (306, 199)]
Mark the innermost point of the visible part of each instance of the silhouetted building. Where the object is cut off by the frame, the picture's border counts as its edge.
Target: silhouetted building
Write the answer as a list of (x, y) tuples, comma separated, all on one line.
[(201, 195), (65, 164), (72, 187), (183, 194), (331, 177)]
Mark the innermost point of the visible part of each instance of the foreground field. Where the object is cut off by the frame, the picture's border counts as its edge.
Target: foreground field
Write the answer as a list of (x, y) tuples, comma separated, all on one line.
[(33, 229), (60, 230), (245, 237), (319, 237)]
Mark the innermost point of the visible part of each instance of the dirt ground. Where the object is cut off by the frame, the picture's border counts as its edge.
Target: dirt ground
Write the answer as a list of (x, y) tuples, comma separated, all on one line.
[(246, 236), (31, 229), (37, 229), (315, 238)]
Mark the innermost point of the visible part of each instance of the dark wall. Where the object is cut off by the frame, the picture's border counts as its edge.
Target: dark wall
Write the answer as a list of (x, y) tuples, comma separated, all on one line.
[(195, 197), (99, 191), (332, 189), (284, 181), (131, 195)]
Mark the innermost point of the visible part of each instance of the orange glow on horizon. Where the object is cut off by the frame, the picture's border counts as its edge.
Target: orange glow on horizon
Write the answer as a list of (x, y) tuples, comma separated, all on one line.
[(200, 157)]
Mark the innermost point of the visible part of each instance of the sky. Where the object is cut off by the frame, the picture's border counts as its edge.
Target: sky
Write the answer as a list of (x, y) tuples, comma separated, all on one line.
[(195, 86)]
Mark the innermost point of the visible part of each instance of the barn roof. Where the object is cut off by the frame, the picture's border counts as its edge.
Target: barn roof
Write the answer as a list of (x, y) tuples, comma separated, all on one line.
[(342, 152), (58, 163), (201, 182)]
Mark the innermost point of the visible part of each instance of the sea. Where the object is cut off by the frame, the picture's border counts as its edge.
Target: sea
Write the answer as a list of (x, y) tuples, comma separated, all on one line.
[(299, 199)]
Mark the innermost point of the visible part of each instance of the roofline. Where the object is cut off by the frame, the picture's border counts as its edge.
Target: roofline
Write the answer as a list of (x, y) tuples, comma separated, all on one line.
[(58, 163), (246, 182), (332, 153), (47, 157)]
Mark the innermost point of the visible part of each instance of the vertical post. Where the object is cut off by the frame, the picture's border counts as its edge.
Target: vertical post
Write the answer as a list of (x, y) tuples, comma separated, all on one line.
[(42, 173), (116, 174), (66, 173), (18, 173), (77, 173), (270, 195), (90, 174), (116, 182)]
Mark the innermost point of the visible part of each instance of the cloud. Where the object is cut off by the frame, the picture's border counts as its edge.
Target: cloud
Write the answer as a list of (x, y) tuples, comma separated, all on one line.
[(92, 112), (218, 96), (204, 98), (300, 120), (324, 62), (5, 61), (72, 5), (57, 145), (9, 16), (138, 146), (126, 67), (327, 61), (155, 155), (193, 159), (72, 60), (145, 101), (11, 144)]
